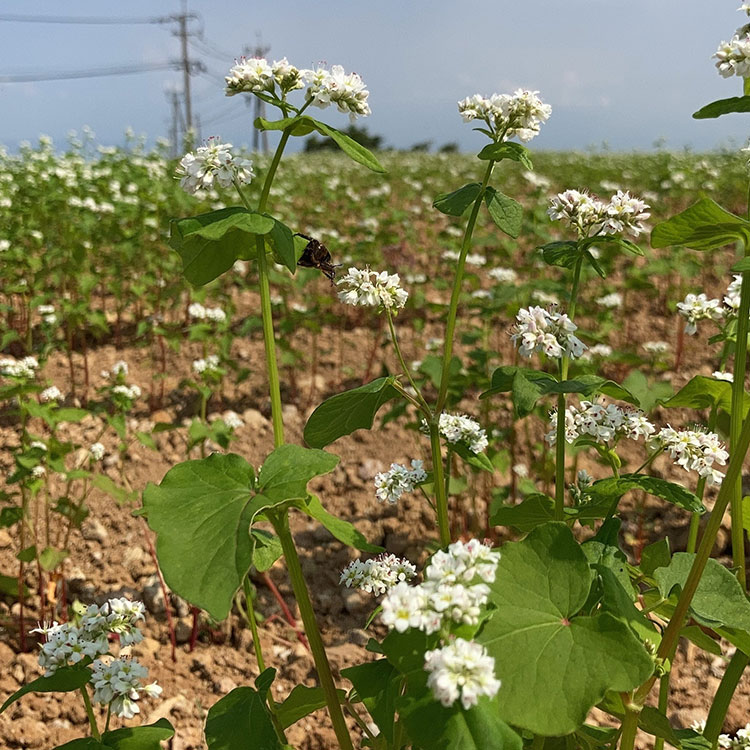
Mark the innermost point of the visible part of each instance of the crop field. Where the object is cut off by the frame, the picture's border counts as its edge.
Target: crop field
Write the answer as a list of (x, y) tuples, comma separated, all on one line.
[(388, 450)]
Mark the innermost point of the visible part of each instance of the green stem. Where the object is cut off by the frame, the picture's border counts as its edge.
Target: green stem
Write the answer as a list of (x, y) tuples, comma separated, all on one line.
[(738, 400), (269, 340), (629, 729), (253, 623), (404, 368), (438, 481), (700, 490), (560, 439), (724, 694), (538, 742), (450, 326), (664, 696), (90, 713), (280, 521), (672, 633)]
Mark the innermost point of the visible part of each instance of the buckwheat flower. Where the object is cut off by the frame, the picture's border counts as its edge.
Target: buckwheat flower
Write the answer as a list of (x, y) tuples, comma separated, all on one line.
[(520, 470), (694, 450), (603, 423), (745, 7), (233, 420), (23, 369), (475, 259), (4, 245), (96, 451), (503, 275), (579, 209), (38, 472), (286, 75), (463, 562), (253, 75), (546, 331), (377, 575), (656, 347), (120, 368), (346, 90), (517, 115), (211, 162), (197, 311), (402, 608), (697, 307), (48, 314), (131, 392), (462, 669), (625, 213), (119, 683), (600, 351), (53, 393), (458, 428), (610, 301), (733, 57), (391, 484), (732, 297), (727, 376), (368, 288)]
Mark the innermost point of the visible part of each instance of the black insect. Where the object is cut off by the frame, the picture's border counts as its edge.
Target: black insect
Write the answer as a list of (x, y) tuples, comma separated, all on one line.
[(317, 255)]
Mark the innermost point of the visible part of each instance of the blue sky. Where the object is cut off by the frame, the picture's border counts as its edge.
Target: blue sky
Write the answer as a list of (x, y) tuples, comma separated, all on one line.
[(624, 73)]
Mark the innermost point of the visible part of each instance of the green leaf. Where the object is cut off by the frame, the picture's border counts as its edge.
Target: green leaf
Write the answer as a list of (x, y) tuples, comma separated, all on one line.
[(742, 265), (647, 393), (536, 635), (346, 412), (534, 510), (673, 493), (301, 702), (210, 243), (239, 718), (504, 211), (723, 107), (702, 392), (201, 512), (435, 727), (281, 239), (148, 737), (564, 253), (266, 549), (506, 150), (343, 530), (719, 598), (355, 151), (64, 680), (287, 470), (378, 685), (302, 126), (703, 226), (701, 639), (50, 557), (105, 484), (654, 722), (656, 555), (456, 203)]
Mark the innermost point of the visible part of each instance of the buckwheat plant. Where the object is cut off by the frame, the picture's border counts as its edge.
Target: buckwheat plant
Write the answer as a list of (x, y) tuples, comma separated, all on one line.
[(76, 655)]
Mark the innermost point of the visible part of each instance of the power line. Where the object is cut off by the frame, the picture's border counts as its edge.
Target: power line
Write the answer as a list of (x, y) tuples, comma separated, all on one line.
[(93, 73), (94, 20)]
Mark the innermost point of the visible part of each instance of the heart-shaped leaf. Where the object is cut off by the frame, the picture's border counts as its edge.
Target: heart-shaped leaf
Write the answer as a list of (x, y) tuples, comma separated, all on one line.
[(456, 203), (504, 211), (64, 680)]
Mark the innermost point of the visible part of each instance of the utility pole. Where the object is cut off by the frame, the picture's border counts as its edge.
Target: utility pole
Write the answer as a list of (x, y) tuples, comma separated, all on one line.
[(187, 65), (259, 136), (177, 127)]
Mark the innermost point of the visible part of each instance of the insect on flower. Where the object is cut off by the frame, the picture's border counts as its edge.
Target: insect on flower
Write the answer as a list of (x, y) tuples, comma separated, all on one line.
[(317, 255)]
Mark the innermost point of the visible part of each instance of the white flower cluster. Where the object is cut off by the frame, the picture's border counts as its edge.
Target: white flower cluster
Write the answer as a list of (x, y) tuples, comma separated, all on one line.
[(462, 669), (335, 86), (23, 369), (590, 215), (458, 428), (256, 75), (209, 365), (547, 331), (610, 301), (733, 57), (96, 451), (741, 740), (377, 575), (391, 484), (503, 275), (450, 593), (213, 161), (53, 393), (372, 289), (519, 114), (697, 307), (199, 312), (118, 682), (69, 642), (129, 392), (694, 450), (602, 423), (48, 314)]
